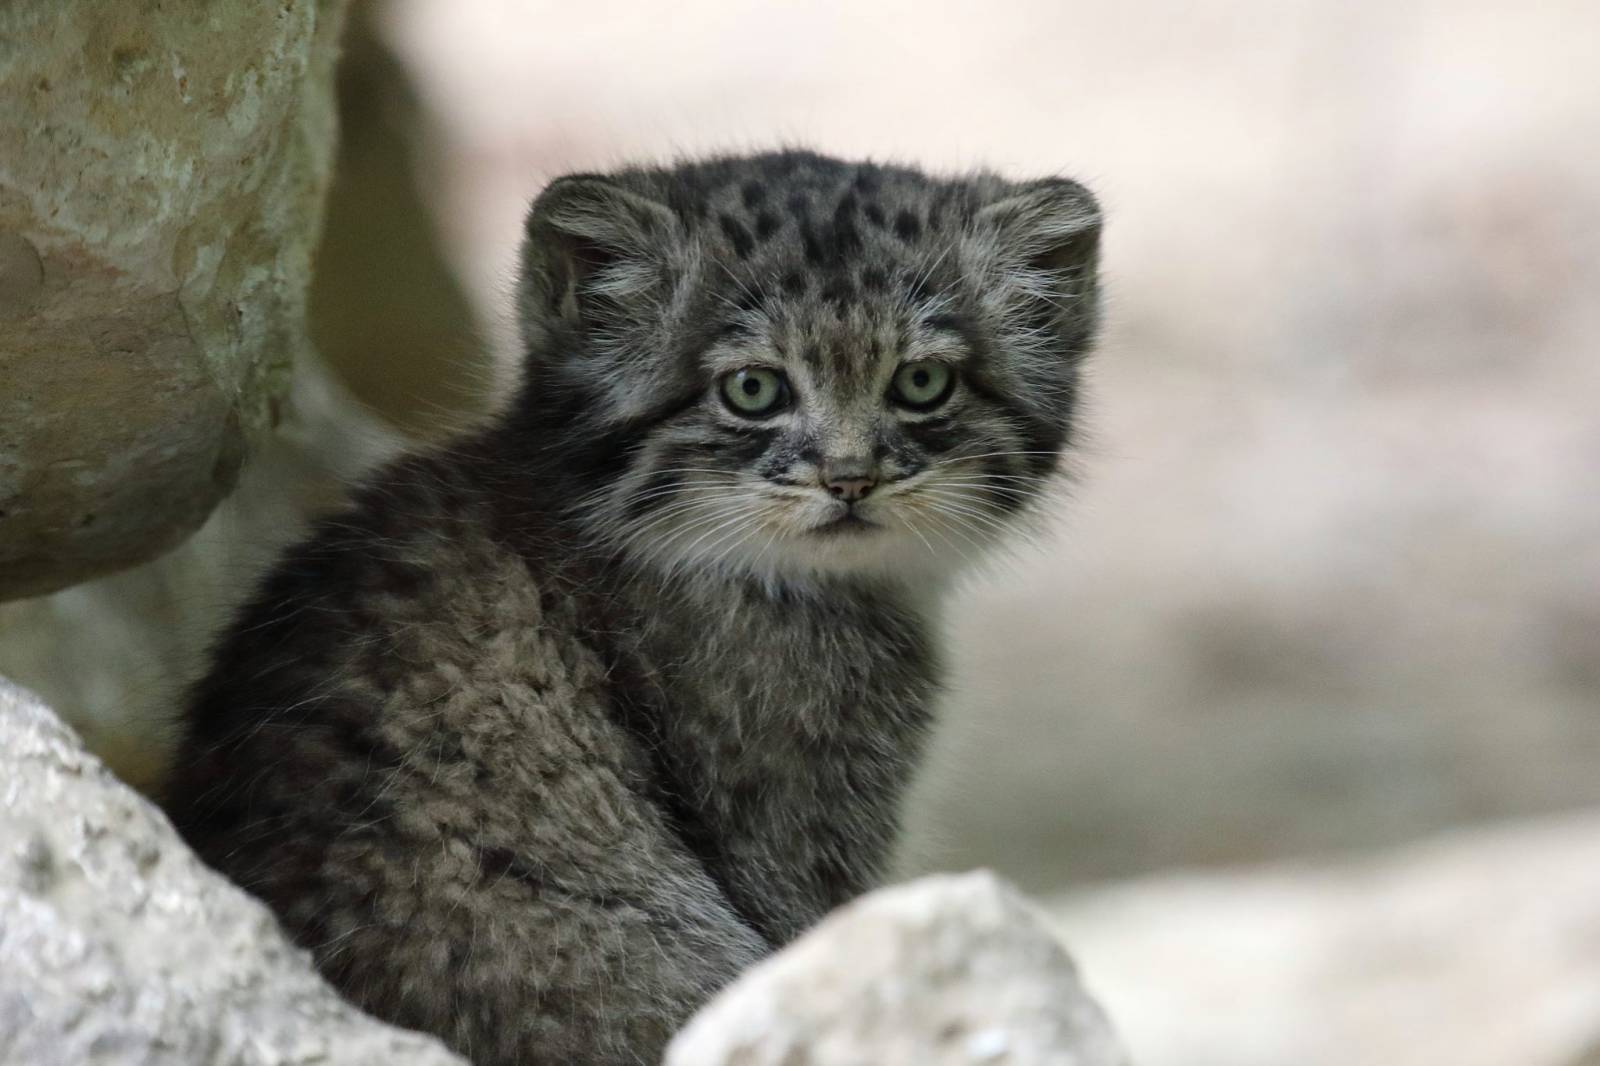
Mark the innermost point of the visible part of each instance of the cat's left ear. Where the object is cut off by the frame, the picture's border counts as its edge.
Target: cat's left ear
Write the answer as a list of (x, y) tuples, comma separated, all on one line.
[(1051, 229), (1054, 224)]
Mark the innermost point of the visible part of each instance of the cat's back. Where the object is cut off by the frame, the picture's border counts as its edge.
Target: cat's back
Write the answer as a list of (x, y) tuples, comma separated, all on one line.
[(404, 662)]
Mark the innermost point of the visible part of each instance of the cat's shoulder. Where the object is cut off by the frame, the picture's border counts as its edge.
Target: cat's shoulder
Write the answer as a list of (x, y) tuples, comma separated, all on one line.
[(416, 564)]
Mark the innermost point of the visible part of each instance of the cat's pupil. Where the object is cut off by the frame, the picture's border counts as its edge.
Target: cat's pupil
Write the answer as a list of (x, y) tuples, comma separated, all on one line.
[(919, 378), (751, 386)]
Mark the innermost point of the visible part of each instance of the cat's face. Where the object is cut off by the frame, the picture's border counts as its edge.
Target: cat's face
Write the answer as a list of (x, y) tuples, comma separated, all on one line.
[(796, 365)]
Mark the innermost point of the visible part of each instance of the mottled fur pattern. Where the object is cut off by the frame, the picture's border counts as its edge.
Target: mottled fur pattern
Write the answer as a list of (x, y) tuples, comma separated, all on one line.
[(562, 725)]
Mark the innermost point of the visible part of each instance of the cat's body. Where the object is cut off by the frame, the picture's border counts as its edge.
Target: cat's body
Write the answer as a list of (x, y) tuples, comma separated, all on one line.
[(564, 724)]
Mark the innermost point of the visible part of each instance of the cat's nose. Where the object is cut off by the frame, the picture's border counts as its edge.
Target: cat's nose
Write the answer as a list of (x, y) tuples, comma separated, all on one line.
[(848, 479)]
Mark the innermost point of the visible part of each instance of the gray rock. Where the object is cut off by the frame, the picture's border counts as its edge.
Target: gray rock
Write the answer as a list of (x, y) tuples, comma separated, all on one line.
[(943, 970), (162, 172), (117, 946)]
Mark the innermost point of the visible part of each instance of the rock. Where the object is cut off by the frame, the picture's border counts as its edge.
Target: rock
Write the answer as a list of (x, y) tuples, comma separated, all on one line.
[(162, 172), (944, 970), (113, 656), (1479, 948), (117, 946)]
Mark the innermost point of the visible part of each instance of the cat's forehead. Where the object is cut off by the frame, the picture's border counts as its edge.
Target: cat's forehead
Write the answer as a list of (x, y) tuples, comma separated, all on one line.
[(765, 188), (838, 267), (840, 226)]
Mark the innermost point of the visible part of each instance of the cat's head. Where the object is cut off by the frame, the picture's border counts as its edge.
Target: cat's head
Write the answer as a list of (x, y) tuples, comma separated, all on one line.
[(785, 364)]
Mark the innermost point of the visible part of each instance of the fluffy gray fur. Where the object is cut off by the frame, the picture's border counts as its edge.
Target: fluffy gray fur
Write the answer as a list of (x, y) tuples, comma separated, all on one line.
[(560, 726)]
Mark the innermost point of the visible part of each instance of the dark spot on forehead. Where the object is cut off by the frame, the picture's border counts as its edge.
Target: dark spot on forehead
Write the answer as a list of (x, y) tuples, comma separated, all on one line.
[(766, 224), (846, 237), (906, 226), (812, 241), (794, 283), (874, 214), (917, 285), (838, 291), (752, 194), (867, 179), (739, 237), (688, 201), (960, 325), (951, 203), (748, 297), (873, 279)]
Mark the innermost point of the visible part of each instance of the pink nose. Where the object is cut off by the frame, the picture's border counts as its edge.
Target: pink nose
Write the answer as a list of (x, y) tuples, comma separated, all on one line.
[(851, 489), (848, 479)]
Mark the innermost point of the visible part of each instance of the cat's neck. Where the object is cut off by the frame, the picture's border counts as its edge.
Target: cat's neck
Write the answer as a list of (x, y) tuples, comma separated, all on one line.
[(675, 590)]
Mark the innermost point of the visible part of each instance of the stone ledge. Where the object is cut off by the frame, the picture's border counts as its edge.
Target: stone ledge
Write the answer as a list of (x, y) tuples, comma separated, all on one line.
[(941, 971), (161, 188), (117, 946)]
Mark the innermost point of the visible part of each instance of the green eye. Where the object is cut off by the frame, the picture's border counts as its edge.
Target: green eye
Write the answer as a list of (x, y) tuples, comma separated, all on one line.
[(755, 391), (922, 385)]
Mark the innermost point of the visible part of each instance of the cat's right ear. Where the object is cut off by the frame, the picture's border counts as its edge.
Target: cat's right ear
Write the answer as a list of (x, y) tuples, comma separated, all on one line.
[(593, 251)]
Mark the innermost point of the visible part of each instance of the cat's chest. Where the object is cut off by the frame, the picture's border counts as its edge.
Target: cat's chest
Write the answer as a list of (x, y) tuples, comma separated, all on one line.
[(763, 675)]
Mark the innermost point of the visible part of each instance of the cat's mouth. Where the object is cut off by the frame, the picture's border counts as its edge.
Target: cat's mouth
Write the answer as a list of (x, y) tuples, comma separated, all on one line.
[(846, 524)]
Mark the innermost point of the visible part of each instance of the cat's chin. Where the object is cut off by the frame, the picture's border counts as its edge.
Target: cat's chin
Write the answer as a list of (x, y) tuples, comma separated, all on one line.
[(841, 548), (848, 524)]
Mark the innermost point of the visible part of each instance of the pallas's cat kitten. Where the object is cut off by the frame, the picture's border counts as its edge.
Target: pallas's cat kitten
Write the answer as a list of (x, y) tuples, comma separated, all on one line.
[(560, 726)]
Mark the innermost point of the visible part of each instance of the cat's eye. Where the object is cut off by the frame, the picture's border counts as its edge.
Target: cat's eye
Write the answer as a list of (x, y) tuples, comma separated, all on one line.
[(921, 385), (755, 391)]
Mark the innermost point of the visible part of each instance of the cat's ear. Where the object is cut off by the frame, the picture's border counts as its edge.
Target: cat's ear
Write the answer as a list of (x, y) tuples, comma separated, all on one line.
[(1050, 229), (593, 251), (1053, 225)]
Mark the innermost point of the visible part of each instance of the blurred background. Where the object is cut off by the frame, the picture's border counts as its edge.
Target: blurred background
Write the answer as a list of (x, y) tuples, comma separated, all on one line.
[(1294, 716)]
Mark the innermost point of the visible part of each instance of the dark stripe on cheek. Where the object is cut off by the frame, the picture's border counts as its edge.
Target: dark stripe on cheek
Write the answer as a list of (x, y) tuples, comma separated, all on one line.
[(1036, 435), (778, 463), (656, 492), (936, 435), (666, 410), (743, 444), (611, 450), (1046, 438), (1003, 492)]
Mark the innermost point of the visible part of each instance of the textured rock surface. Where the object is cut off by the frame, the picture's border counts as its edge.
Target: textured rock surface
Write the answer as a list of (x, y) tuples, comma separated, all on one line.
[(118, 947), (942, 970), (113, 656), (1481, 948), (162, 171)]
